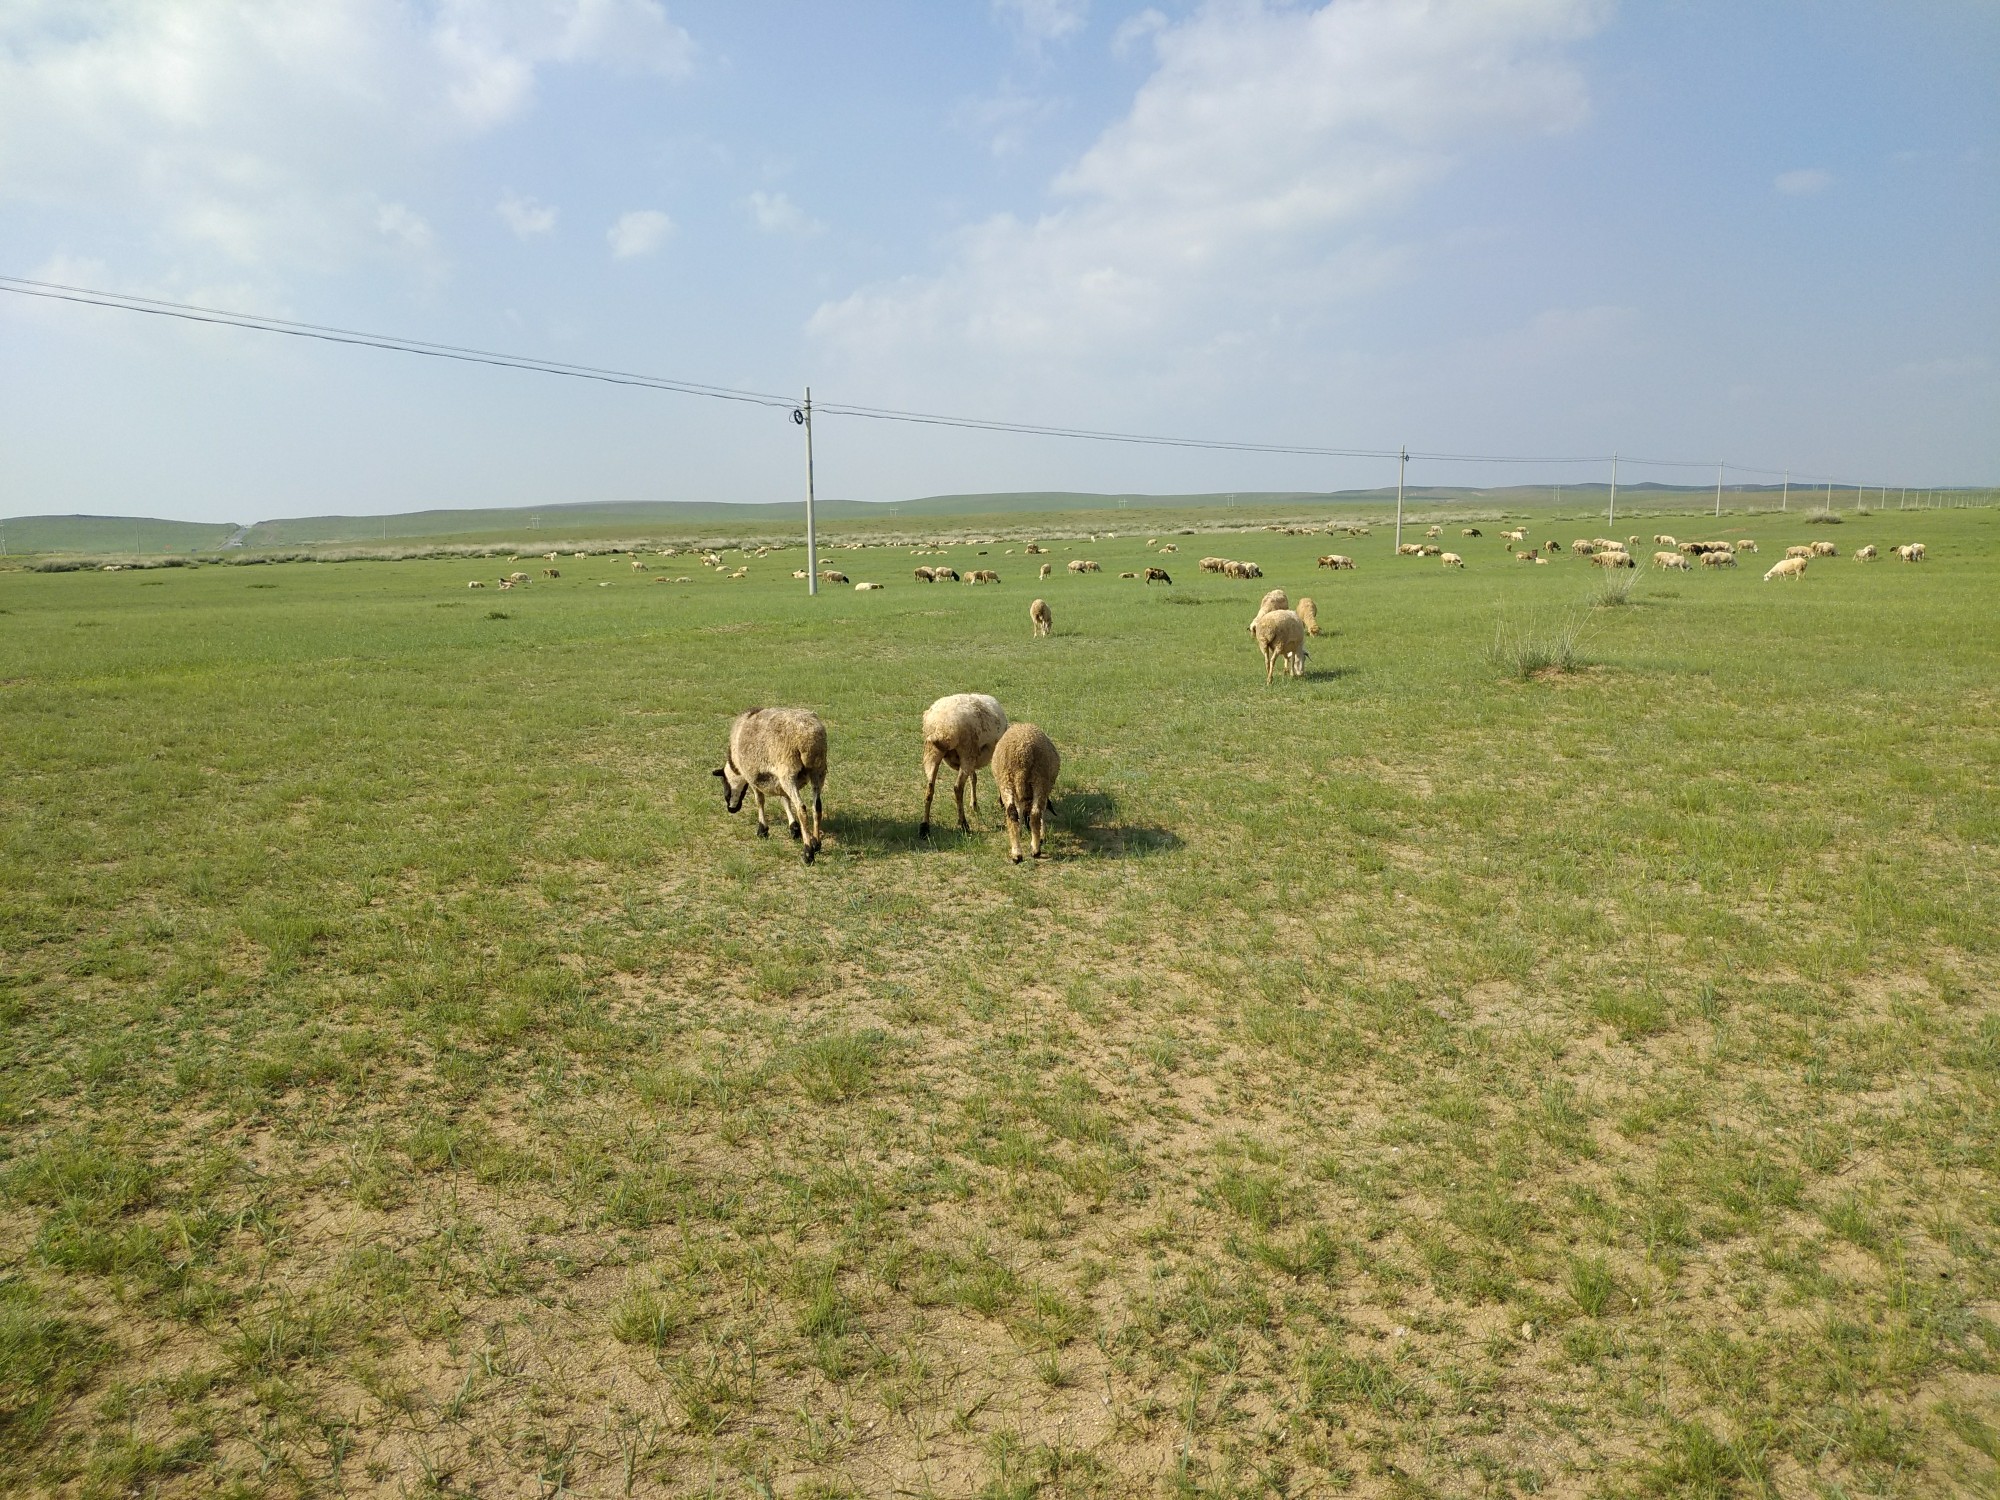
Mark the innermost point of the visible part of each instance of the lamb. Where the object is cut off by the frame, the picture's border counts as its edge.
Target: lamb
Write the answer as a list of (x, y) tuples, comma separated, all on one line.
[(779, 751), (960, 731), (1309, 612), (1864, 554), (1039, 616), (1825, 549), (1798, 552), (1281, 633), (1047, 569), (1157, 575), (1670, 560), (1025, 764), (1451, 560), (1788, 567), (1336, 561)]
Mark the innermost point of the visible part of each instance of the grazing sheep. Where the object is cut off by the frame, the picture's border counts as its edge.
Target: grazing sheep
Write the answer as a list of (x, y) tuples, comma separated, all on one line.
[(862, 588), (926, 575), (1309, 612), (1047, 569), (1864, 554), (1157, 575), (1789, 567), (1170, 547), (1025, 764), (1409, 549), (1427, 550), (944, 575), (832, 575), (1451, 560), (552, 572), (1631, 541), (1718, 559), (1034, 548), (1825, 549), (1552, 546), (1516, 536), (517, 577), (1530, 556), (960, 731), (1214, 564), (1472, 531), (1665, 541), (477, 583), (1336, 561), (1746, 545), (1798, 552), (1080, 565), (1275, 599), (552, 556), (1914, 552), (638, 565), (1435, 532), (1281, 633), (1618, 559), (1039, 616), (1670, 560), (982, 575), (778, 751), (1581, 547)]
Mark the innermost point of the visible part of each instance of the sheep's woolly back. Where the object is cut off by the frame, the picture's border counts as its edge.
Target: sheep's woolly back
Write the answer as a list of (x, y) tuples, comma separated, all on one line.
[(967, 724), (778, 742), (1025, 764), (1309, 613), (1790, 567), (1276, 599), (1280, 630)]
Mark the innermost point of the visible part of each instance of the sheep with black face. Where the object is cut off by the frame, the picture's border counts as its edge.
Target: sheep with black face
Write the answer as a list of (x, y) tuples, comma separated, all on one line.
[(778, 752)]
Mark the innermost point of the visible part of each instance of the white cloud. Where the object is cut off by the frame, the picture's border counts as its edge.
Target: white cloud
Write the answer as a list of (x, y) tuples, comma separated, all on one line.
[(1242, 191), (269, 135), (640, 232), (1004, 120), (1136, 29), (1042, 21), (775, 213), (525, 216), (1804, 182), (402, 227)]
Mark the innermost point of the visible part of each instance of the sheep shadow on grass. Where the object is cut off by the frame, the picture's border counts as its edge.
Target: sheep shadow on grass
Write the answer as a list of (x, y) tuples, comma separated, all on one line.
[(1090, 817)]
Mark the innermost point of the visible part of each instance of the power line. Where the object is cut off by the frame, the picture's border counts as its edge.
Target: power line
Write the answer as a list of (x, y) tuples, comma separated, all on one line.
[(397, 344)]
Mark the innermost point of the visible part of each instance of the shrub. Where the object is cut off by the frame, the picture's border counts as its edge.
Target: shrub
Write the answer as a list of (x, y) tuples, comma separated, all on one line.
[(1613, 588), (1528, 652), (1822, 518)]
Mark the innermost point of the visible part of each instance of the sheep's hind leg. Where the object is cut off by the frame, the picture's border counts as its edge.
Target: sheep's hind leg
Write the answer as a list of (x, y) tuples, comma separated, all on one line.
[(1014, 831), (1035, 824), (958, 792), (931, 766), (795, 816), (763, 823)]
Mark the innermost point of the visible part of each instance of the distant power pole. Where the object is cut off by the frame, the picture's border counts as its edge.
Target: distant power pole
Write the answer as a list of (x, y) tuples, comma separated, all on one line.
[(1786, 502), (1718, 487), (1829, 496), (804, 417), (1612, 517), (1402, 463)]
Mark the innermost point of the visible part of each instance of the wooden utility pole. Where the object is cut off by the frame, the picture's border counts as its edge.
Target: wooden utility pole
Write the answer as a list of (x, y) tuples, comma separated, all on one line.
[(1786, 502), (1718, 487), (804, 417), (1612, 518), (1402, 463)]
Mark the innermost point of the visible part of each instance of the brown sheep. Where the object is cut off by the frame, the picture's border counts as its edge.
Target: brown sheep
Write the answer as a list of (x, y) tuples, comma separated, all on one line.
[(1309, 613), (551, 572), (1157, 575), (781, 751), (924, 575), (1025, 764)]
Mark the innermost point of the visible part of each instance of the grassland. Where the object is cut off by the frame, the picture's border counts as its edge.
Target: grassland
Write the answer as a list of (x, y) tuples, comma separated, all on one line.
[(1415, 1079)]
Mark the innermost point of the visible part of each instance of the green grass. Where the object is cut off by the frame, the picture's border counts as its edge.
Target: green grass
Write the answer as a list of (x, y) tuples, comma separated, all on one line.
[(1433, 1075)]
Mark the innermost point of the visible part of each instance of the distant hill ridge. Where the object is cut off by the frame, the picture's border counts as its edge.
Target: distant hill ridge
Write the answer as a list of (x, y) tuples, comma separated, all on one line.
[(134, 534)]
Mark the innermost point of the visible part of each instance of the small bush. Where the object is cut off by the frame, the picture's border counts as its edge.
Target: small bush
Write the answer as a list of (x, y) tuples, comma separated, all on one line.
[(1529, 652), (1613, 588), (1822, 518)]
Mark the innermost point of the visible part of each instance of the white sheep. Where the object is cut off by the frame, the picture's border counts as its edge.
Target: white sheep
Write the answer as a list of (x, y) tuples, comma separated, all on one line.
[(864, 588), (1047, 569), (1787, 567), (1309, 612), (1039, 617), (1798, 552), (1670, 560), (1275, 599), (1451, 560), (1025, 764), (1914, 552), (960, 731), (1746, 545), (1825, 549), (1281, 633), (779, 751), (1865, 554), (1718, 559)]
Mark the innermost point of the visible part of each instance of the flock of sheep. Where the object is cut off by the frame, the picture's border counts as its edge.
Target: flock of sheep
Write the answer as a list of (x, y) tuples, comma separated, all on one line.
[(1608, 552)]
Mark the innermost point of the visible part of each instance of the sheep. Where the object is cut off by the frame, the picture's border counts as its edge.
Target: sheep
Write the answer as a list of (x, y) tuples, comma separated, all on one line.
[(1244, 570), (1275, 599), (1631, 541), (1665, 541), (863, 588), (832, 575), (638, 566), (1530, 556), (1618, 559), (800, 575), (517, 577), (1336, 561), (506, 583), (1429, 551), (477, 583), (1864, 554), (552, 572), (1472, 531), (944, 575), (1309, 612), (1914, 552), (1718, 559), (552, 556), (982, 575), (1670, 560), (1581, 547), (960, 731), (1128, 575), (1034, 548), (1047, 569), (1025, 764), (1435, 532), (1169, 547), (925, 575), (1825, 549), (1746, 545), (1606, 544), (1788, 567), (1451, 560), (1516, 536), (1213, 564), (1157, 575), (1281, 633), (1082, 565), (1039, 617), (1409, 549), (1791, 552), (779, 751), (1552, 546)]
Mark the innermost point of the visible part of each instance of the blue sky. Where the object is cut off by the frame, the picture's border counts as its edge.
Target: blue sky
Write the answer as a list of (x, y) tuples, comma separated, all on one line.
[(1694, 230)]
